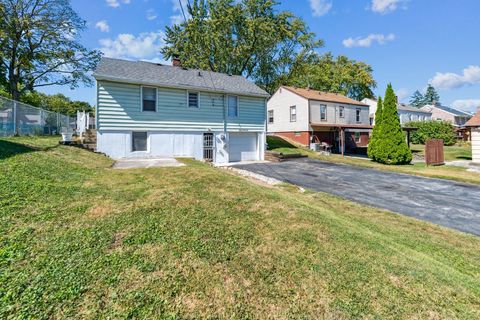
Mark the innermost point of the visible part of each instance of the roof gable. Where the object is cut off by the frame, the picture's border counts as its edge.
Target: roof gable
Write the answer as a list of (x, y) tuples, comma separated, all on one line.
[(474, 121), (323, 96), (450, 110), (147, 73)]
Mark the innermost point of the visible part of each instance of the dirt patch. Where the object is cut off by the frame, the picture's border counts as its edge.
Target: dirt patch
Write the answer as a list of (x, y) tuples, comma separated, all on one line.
[(117, 241), (99, 211)]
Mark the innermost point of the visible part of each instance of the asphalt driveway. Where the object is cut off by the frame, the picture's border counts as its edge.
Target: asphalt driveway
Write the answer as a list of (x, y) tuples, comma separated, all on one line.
[(447, 203)]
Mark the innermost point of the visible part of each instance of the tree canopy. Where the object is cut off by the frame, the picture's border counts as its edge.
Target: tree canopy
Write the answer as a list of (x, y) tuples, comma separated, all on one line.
[(431, 95), (253, 39), (39, 46), (417, 100), (247, 37), (56, 102), (338, 75)]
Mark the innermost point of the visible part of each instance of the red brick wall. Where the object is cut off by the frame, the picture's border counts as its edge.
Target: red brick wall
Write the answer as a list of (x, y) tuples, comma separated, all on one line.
[(302, 137), (350, 140)]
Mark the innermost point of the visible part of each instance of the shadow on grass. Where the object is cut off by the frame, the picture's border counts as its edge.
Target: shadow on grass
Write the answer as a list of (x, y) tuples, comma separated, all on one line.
[(9, 149), (464, 158), (275, 142)]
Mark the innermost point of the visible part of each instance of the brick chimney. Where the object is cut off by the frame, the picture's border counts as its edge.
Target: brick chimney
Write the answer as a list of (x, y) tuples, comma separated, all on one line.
[(176, 62)]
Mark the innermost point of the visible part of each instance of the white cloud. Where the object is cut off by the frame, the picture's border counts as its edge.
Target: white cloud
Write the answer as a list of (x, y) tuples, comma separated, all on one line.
[(387, 6), (151, 14), (103, 26), (402, 93), (320, 7), (470, 105), (116, 3), (368, 40), (449, 80), (146, 45), (178, 18)]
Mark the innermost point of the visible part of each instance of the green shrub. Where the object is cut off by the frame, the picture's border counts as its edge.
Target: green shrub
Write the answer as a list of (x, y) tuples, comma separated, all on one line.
[(432, 130), (391, 146)]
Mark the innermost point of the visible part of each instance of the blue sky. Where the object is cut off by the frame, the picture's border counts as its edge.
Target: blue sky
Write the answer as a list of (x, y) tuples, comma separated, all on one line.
[(407, 42)]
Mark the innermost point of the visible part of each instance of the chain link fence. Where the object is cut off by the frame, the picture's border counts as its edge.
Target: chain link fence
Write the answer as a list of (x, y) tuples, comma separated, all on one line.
[(18, 118)]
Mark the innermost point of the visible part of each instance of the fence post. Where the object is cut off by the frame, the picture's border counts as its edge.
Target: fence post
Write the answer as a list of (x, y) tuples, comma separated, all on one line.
[(15, 131)]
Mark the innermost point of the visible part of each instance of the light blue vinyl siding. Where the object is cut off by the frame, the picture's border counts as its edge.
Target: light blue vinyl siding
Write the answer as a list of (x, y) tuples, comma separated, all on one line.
[(119, 108)]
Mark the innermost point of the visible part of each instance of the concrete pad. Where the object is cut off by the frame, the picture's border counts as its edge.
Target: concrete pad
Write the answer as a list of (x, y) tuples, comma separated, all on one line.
[(147, 163)]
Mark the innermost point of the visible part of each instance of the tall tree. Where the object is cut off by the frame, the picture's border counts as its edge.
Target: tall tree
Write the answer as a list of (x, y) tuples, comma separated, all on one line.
[(248, 37), (391, 147), (39, 45), (431, 95), (339, 75), (417, 99), (372, 145)]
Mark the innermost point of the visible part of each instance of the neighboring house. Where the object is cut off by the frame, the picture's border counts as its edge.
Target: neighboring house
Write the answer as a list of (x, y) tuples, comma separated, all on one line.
[(307, 116), (474, 125), (152, 110), (456, 117), (405, 113)]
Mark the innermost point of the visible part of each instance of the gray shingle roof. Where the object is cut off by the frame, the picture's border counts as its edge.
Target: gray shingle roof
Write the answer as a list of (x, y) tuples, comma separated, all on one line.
[(147, 73), (411, 109), (453, 111)]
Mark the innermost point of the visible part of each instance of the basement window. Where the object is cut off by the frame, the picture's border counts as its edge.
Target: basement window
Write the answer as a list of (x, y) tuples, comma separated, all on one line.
[(139, 141)]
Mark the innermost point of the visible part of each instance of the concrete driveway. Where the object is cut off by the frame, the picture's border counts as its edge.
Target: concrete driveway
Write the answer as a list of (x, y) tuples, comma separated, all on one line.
[(447, 203)]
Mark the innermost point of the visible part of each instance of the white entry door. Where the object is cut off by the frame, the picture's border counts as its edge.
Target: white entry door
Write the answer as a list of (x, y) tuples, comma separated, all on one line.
[(243, 147)]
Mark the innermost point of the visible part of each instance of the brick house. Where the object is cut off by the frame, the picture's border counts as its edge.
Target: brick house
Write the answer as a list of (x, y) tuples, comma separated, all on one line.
[(306, 116)]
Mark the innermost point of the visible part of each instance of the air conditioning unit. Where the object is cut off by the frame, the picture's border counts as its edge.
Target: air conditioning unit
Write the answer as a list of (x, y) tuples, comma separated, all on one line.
[(315, 147)]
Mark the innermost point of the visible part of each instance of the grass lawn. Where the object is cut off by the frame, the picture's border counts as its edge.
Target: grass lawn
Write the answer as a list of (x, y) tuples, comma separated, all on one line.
[(81, 240), (452, 153), (443, 172)]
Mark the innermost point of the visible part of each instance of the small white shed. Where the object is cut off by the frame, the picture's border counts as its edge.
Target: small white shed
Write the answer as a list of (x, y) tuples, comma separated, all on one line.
[(474, 125)]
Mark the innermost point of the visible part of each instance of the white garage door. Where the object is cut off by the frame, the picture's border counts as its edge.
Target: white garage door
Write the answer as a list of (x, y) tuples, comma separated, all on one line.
[(243, 147)]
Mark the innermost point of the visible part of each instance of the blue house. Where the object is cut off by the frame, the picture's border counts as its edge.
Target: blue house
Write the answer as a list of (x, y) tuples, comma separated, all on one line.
[(149, 110)]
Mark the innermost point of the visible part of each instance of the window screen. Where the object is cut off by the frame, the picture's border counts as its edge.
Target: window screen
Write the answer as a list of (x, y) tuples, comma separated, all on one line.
[(293, 114), (270, 116), (323, 112), (139, 141), (232, 106), (358, 115), (193, 100), (149, 96), (342, 112)]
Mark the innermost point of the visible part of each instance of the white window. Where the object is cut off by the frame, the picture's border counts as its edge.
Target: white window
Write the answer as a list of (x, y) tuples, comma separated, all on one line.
[(293, 114), (358, 113), (270, 116), (193, 99), (139, 141), (323, 112), (341, 112), (232, 106), (149, 99), (358, 137)]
